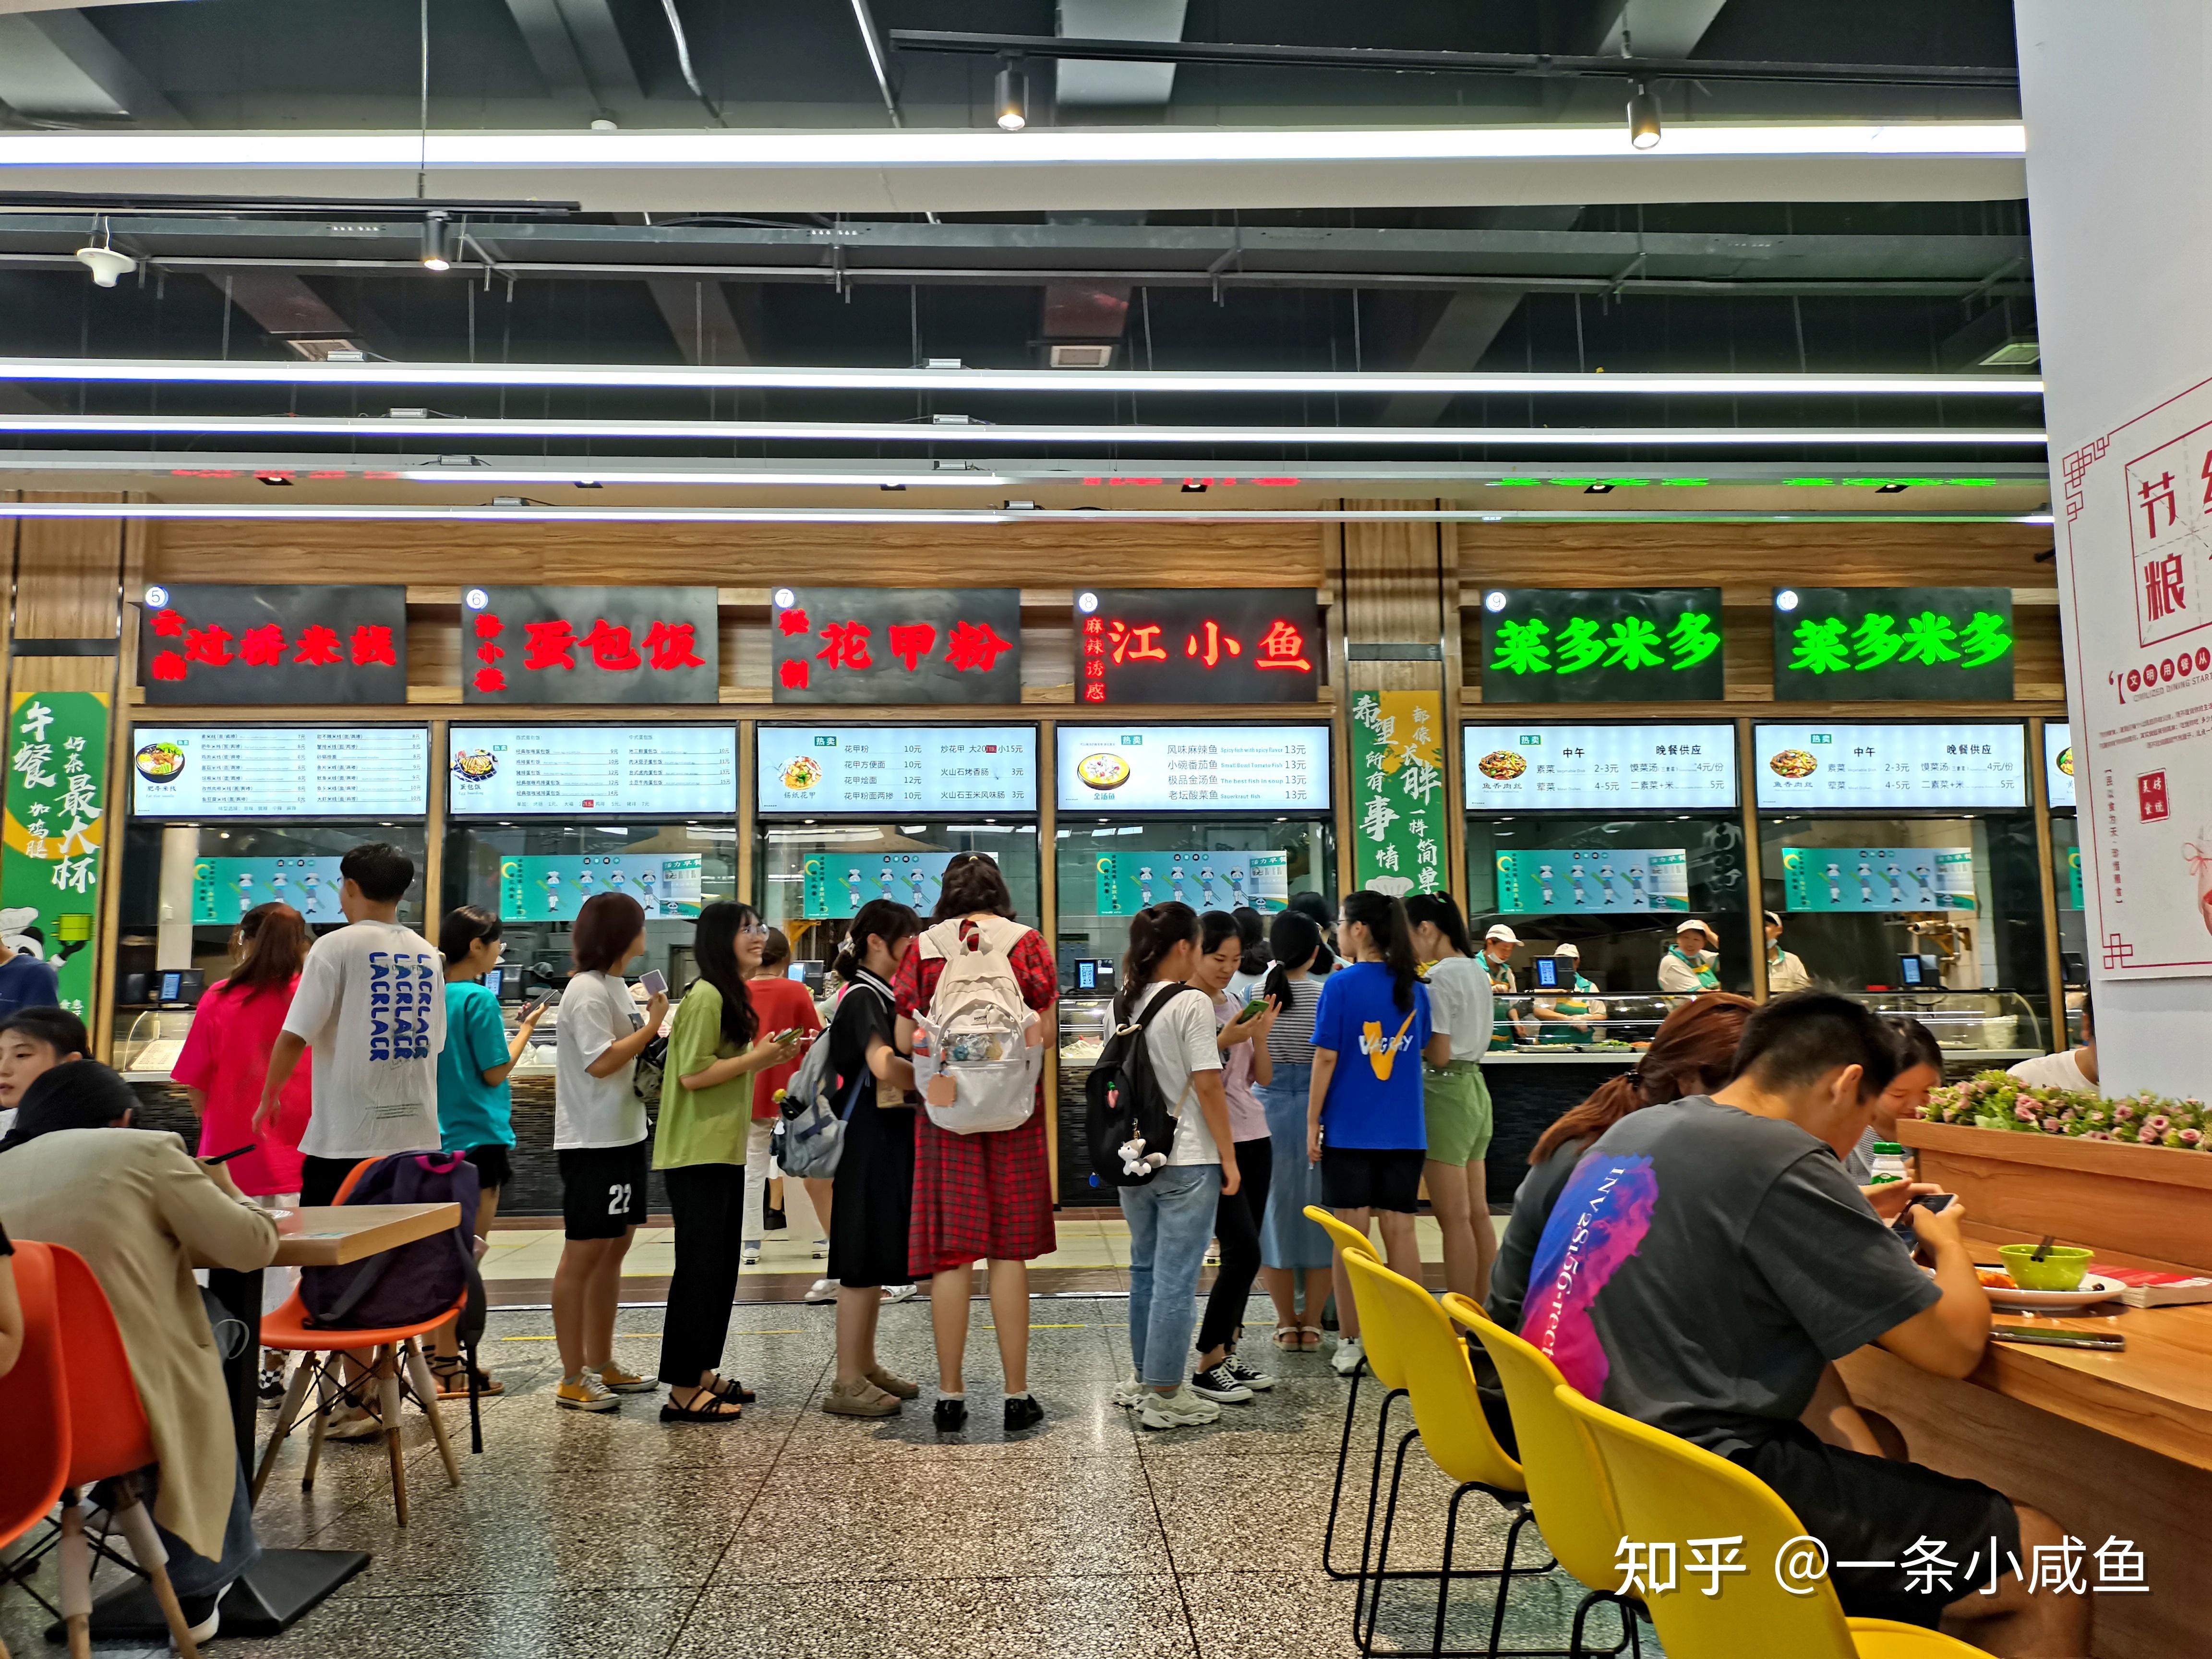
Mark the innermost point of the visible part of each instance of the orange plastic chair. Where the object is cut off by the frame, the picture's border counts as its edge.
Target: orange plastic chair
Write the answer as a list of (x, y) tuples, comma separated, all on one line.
[(104, 1425), (322, 1347), (35, 1402)]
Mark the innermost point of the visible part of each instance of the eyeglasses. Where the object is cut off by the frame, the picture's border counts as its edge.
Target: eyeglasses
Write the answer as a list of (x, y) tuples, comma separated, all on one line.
[(755, 930)]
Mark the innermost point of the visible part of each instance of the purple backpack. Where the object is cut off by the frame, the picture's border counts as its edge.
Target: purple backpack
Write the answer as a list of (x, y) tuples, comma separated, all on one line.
[(415, 1282)]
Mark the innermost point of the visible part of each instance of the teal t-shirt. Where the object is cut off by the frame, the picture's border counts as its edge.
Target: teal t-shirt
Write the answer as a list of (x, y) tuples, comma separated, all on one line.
[(472, 1112), (1375, 1093)]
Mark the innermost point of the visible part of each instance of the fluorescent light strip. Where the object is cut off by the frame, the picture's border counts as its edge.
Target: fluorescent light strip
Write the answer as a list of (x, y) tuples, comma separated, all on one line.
[(476, 475), (304, 513), (786, 150), (704, 377), (984, 431)]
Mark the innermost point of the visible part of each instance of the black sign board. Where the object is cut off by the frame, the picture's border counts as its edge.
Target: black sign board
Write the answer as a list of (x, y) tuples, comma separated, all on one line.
[(936, 645), (1602, 645), (600, 645), (1223, 645), (1860, 644), (212, 643)]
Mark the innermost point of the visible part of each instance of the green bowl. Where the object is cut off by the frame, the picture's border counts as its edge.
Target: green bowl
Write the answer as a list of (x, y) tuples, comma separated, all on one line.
[(2061, 1268)]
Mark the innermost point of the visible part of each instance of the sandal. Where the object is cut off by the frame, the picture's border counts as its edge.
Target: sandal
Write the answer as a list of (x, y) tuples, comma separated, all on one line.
[(728, 1387), (453, 1379), (1287, 1338), (1308, 1338), (705, 1407)]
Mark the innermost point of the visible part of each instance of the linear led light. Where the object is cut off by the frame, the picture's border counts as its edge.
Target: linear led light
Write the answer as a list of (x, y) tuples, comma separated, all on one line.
[(786, 150), (710, 377), (882, 432), (477, 475)]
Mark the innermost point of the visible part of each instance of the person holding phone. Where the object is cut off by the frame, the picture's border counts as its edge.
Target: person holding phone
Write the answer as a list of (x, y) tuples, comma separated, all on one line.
[(782, 1006), (1243, 1024), (599, 1135), (717, 1049), (1455, 1104)]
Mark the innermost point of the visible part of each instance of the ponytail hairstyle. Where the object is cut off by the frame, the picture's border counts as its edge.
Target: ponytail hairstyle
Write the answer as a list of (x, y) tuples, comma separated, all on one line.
[(1312, 906), (880, 917), (274, 941), (1693, 1052), (1384, 918), (1441, 912), (1295, 942), (1215, 929), (714, 947), (1153, 932), (1252, 929)]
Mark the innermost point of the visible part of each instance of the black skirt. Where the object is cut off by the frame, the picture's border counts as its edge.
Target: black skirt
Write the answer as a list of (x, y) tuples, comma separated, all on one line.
[(872, 1197)]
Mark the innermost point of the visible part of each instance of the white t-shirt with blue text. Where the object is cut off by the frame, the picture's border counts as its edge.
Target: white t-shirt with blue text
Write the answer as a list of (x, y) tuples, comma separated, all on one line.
[(371, 1003)]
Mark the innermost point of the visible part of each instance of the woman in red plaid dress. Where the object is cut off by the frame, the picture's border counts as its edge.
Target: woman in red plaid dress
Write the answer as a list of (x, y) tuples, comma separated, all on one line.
[(984, 1197)]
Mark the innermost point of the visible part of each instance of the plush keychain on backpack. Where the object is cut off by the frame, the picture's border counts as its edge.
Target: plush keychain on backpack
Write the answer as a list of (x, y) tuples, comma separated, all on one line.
[(1136, 1161)]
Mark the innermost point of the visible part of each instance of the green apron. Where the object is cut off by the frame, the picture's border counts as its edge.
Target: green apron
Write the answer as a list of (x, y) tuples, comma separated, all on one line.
[(1554, 1031), (1707, 979)]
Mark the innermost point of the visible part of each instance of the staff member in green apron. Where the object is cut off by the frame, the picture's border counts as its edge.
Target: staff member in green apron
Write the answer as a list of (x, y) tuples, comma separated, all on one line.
[(1573, 1016), (1688, 966), (1498, 946)]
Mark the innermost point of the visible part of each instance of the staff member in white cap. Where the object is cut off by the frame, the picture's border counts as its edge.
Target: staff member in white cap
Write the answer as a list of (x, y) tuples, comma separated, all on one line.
[(1784, 971), (1571, 1016), (1687, 967), (1498, 947)]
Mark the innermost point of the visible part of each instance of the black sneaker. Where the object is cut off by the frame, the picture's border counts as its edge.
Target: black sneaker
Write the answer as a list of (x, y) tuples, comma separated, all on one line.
[(270, 1386), (772, 1221), (950, 1414), (1023, 1413), (1216, 1382), (1254, 1380)]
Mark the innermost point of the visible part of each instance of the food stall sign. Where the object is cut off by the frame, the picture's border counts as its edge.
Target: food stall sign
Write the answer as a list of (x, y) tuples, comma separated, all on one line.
[(191, 774), (596, 771), (537, 645), (214, 643), (1194, 769), (1931, 644), (1869, 767), (1599, 768), (1398, 791), (824, 769), (56, 824), (1222, 645), (876, 645), (2058, 765), (1878, 878), (1602, 645)]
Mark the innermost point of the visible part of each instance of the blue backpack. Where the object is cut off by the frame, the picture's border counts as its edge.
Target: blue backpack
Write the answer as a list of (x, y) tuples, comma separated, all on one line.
[(415, 1282)]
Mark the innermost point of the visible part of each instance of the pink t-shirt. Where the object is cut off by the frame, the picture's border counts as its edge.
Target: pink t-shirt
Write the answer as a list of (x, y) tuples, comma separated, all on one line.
[(1248, 1118), (226, 1057)]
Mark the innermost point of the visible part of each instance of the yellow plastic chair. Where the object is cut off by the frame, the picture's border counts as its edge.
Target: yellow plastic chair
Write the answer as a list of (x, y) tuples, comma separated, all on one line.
[(1448, 1420), (1668, 1489), (1566, 1484)]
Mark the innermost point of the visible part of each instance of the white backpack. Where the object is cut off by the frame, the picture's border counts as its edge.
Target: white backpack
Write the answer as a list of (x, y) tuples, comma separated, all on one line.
[(978, 1051)]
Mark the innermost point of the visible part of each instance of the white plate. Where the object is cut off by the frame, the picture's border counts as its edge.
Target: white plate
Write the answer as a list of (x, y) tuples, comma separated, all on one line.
[(2095, 1288)]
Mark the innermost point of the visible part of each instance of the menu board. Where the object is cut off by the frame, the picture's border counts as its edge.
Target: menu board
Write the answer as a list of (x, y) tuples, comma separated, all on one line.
[(2058, 767), (897, 769), (307, 772), (1194, 769), (532, 889), (1869, 878), (499, 771), (1868, 767), (224, 889), (1586, 881), (1599, 768)]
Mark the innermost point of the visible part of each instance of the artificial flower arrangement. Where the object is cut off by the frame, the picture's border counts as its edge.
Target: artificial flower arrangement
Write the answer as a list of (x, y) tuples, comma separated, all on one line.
[(1997, 1100)]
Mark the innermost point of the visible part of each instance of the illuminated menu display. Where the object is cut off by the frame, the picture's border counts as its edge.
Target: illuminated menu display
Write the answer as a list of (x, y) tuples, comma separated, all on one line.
[(1194, 769), (2058, 765), (605, 770), (1891, 766), (305, 772), (909, 769), (1539, 767)]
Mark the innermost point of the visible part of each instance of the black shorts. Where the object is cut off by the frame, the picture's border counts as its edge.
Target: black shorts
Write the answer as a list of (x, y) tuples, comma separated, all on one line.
[(494, 1172), (603, 1190), (320, 1179), (1371, 1178), (1875, 1509)]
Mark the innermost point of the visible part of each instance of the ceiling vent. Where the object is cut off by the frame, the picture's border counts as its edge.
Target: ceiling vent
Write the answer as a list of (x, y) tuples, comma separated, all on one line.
[(326, 350), (1082, 356)]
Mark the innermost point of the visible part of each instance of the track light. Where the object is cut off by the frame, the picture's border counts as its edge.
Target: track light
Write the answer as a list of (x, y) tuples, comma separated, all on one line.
[(1644, 118), (1012, 96), (434, 243)]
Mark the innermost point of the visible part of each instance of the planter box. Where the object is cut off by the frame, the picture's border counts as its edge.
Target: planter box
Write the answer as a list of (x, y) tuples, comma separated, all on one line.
[(2136, 1205)]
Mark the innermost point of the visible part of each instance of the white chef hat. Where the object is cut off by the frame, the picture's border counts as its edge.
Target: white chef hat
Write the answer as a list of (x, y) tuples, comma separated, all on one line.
[(1502, 932), (1574, 951)]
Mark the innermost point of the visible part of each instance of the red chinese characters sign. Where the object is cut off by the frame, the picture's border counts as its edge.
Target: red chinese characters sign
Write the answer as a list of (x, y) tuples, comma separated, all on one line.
[(535, 645), (1197, 645), (210, 643), (924, 645)]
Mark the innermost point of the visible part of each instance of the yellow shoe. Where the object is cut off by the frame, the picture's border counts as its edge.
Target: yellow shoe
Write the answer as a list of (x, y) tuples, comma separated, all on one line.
[(623, 1382), (585, 1393)]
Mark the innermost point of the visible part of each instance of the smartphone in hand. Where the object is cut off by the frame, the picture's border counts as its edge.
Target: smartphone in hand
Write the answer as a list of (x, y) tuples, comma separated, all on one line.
[(654, 983), (1903, 1225)]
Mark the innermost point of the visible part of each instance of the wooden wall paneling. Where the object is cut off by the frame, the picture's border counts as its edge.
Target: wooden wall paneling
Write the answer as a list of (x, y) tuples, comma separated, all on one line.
[(1393, 592), (108, 923)]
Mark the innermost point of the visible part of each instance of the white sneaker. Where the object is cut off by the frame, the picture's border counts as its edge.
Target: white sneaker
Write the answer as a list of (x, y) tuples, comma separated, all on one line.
[(821, 1249), (822, 1290), (1181, 1410), (751, 1256), (1349, 1356), (1130, 1394), (898, 1294)]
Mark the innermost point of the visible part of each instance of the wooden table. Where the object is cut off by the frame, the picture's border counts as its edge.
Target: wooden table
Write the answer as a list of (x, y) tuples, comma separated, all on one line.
[(339, 1233)]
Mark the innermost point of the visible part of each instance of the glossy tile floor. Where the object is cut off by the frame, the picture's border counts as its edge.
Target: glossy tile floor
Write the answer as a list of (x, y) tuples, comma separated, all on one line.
[(793, 1532)]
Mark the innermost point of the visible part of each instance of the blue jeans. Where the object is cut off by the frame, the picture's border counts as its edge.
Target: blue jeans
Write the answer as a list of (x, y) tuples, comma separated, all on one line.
[(1169, 1219)]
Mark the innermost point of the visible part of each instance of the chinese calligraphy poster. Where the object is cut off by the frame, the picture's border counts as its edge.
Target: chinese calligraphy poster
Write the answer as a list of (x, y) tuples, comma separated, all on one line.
[(1602, 645), (535, 645), (1398, 816), (55, 826), (209, 643), (1197, 645), (872, 645)]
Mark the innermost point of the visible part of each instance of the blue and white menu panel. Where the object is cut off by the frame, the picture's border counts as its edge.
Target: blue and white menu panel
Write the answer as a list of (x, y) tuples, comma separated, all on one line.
[(2058, 767), (897, 769), (195, 772), (643, 771), (1872, 766), (1194, 769), (1547, 767)]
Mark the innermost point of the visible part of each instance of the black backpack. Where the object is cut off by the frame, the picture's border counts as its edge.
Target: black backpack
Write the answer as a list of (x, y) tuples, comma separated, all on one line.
[(1123, 1103)]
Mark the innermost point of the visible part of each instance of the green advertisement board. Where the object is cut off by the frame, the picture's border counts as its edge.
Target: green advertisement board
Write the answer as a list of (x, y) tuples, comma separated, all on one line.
[(1581, 881), (1602, 645), (1928, 644), (1878, 878), (1134, 879), (1398, 826), (532, 889), (838, 884), (56, 828), (224, 889)]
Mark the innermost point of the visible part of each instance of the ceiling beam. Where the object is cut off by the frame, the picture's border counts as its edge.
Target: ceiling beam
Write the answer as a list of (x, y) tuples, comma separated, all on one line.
[(704, 325), (56, 65), (578, 51), (1660, 28)]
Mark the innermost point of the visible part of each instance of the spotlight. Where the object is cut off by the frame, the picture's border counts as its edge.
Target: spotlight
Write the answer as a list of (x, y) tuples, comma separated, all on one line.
[(1786, 599), (1194, 486), (1012, 96), (1890, 488), (1493, 601), (1601, 488), (434, 243), (1644, 118)]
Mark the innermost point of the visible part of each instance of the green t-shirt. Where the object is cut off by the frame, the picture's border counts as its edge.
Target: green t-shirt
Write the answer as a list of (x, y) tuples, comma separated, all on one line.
[(472, 1112), (700, 1125)]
